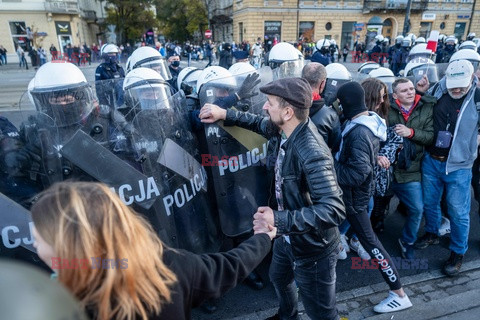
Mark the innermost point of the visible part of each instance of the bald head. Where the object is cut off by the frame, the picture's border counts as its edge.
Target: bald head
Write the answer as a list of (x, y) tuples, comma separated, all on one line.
[(316, 74)]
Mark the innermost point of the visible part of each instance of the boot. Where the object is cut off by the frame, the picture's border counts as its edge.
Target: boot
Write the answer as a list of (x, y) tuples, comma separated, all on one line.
[(453, 264)]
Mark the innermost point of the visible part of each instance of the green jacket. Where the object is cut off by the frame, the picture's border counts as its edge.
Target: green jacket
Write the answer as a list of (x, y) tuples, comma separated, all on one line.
[(421, 120)]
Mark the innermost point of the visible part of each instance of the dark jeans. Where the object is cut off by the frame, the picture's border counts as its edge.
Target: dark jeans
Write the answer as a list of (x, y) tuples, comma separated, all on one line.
[(315, 278), (360, 223)]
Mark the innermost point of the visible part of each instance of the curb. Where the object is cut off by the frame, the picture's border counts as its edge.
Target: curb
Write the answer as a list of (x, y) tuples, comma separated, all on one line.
[(366, 291)]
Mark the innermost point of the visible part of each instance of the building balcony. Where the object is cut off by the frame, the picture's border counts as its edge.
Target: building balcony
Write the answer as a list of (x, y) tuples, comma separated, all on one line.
[(65, 7), (393, 5), (222, 15), (90, 16)]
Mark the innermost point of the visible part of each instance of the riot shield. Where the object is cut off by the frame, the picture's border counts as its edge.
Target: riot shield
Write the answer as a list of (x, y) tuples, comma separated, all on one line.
[(329, 94), (16, 232), (441, 69), (236, 158), (170, 155), (110, 92)]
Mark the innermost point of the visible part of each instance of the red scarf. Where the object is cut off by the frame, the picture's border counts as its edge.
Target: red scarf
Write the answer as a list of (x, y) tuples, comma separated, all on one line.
[(316, 96), (406, 113)]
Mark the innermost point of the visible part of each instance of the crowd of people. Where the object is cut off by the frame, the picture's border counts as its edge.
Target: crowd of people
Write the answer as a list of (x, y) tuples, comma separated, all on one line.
[(305, 156)]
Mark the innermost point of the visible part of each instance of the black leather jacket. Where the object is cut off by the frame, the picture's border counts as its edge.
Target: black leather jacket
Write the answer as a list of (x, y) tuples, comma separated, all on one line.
[(327, 122), (312, 198)]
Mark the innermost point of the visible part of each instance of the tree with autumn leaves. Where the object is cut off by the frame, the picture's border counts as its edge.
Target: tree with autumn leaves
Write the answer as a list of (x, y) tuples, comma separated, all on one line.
[(176, 19)]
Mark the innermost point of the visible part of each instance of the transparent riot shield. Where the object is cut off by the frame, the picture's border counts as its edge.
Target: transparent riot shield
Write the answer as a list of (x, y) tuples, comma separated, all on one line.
[(236, 157), (110, 93), (441, 69), (170, 156)]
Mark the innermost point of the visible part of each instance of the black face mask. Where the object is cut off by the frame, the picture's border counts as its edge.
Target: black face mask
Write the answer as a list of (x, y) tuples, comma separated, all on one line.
[(175, 64), (449, 47)]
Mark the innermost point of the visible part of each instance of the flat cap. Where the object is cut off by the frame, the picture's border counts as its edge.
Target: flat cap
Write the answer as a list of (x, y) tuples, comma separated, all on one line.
[(296, 91)]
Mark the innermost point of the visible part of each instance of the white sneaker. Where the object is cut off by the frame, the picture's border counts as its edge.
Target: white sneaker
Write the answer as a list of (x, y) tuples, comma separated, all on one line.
[(393, 303), (444, 227), (344, 242), (358, 248), (342, 255)]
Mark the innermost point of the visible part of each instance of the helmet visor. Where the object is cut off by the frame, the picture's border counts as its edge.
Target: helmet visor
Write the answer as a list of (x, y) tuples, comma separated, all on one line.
[(149, 97), (66, 106), (289, 69), (159, 65), (430, 70)]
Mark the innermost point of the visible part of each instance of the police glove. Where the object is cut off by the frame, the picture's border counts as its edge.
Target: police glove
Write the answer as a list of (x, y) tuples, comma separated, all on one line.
[(248, 86)]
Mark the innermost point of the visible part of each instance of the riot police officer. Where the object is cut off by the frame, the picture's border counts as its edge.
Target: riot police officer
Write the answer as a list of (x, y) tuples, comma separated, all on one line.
[(109, 92), (322, 55), (66, 105), (446, 53)]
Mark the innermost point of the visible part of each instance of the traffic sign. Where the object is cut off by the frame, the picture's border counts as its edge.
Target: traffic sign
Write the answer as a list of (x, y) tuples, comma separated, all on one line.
[(208, 33)]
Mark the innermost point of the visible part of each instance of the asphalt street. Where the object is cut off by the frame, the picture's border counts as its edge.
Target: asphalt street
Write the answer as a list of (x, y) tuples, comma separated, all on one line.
[(246, 303)]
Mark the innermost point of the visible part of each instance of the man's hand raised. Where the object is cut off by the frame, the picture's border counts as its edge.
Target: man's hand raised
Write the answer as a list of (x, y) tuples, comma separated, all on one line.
[(211, 113)]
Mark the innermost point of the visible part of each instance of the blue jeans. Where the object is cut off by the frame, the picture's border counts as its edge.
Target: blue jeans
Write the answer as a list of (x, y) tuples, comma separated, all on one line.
[(345, 225), (314, 276), (457, 186), (411, 195)]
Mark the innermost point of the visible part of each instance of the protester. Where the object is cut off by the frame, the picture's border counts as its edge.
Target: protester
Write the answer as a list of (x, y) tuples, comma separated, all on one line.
[(354, 165), (308, 206), (113, 262)]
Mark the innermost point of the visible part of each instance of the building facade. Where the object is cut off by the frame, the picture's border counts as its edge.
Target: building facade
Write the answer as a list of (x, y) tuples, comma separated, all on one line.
[(347, 20), (41, 23)]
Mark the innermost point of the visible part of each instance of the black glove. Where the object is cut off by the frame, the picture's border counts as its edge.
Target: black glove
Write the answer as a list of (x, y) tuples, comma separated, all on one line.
[(248, 86)]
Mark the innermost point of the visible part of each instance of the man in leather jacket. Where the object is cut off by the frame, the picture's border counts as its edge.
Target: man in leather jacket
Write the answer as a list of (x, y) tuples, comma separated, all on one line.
[(324, 117), (308, 206)]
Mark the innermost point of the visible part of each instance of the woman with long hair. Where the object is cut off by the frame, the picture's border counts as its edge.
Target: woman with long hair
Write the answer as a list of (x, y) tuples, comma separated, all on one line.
[(110, 258)]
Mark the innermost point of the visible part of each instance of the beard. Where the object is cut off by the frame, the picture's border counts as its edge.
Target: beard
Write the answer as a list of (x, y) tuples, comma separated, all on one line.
[(459, 95)]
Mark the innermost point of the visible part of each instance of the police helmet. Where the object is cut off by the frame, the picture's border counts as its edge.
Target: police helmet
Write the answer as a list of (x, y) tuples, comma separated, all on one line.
[(379, 38), (467, 54), (146, 89), (216, 76), (420, 40), (451, 39), (283, 52), (442, 37), (399, 39), (368, 66), (385, 75), (61, 91), (241, 68), (407, 42), (467, 45), (322, 43), (419, 51), (148, 57), (187, 80), (337, 75), (471, 36)]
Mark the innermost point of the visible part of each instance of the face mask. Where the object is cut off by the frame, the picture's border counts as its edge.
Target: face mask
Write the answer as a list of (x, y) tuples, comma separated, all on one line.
[(112, 59), (449, 47), (176, 63)]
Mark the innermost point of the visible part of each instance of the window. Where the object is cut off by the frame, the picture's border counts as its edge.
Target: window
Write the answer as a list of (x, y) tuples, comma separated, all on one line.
[(459, 30), (19, 32), (240, 31), (306, 30), (273, 31), (425, 28)]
